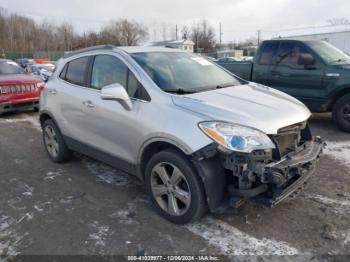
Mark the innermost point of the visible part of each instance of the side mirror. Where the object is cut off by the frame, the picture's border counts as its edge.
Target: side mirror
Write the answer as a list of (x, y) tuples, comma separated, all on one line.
[(118, 93), (306, 60)]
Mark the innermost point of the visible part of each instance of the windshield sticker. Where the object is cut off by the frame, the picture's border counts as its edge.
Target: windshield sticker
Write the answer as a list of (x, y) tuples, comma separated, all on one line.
[(202, 61)]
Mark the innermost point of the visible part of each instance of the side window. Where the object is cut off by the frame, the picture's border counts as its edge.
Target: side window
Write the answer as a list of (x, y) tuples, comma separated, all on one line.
[(63, 72), (76, 71), (288, 55), (268, 51), (109, 70), (135, 88)]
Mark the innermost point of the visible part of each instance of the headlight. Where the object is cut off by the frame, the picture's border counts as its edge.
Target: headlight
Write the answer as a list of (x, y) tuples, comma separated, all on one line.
[(235, 137)]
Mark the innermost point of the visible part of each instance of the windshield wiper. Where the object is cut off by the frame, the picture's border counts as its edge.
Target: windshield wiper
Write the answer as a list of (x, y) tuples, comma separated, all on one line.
[(224, 85), (339, 60), (179, 91)]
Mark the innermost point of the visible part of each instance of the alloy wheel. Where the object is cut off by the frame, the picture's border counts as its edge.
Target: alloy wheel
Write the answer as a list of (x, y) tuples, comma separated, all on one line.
[(170, 189), (51, 141)]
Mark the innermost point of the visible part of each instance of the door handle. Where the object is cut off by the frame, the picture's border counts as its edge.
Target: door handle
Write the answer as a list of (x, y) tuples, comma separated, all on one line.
[(53, 91), (88, 103)]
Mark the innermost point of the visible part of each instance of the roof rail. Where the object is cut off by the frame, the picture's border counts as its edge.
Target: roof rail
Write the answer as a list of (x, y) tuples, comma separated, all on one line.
[(93, 48)]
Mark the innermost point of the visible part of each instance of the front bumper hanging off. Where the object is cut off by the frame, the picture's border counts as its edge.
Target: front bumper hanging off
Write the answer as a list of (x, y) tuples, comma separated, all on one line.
[(286, 177), (273, 181)]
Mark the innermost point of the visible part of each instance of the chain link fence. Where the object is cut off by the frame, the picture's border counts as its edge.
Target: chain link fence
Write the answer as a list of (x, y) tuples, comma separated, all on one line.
[(53, 56)]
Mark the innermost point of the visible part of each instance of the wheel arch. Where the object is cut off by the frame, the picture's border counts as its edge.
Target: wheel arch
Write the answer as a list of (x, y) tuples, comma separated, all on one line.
[(45, 115), (337, 96), (205, 162), (155, 145)]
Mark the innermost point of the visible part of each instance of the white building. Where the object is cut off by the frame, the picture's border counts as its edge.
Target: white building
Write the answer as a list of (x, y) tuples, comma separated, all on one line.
[(183, 44), (338, 35)]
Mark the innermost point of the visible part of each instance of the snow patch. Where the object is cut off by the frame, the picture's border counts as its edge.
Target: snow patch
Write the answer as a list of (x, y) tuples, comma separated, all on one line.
[(338, 206), (125, 216), (231, 241), (28, 216), (108, 174), (41, 206), (29, 190), (339, 151), (100, 236), (52, 175), (33, 120), (9, 238)]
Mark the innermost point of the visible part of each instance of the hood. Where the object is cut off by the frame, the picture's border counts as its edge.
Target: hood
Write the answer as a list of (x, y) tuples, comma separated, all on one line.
[(250, 105), (18, 79)]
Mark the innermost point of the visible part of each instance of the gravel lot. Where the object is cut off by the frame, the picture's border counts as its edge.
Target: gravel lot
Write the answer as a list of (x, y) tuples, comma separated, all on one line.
[(86, 207)]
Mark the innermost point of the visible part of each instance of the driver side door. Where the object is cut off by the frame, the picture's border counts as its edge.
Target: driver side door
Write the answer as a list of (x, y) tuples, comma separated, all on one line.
[(113, 129), (287, 75)]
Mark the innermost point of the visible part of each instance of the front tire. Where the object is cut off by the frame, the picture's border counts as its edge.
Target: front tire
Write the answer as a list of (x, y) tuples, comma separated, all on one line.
[(176, 191), (54, 144), (341, 113)]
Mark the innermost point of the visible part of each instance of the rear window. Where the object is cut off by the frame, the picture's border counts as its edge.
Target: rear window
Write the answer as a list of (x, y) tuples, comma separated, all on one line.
[(10, 68), (76, 71)]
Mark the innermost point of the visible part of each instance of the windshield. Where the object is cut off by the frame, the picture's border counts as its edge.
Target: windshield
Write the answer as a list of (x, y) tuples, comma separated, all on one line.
[(10, 68), (328, 52), (184, 72)]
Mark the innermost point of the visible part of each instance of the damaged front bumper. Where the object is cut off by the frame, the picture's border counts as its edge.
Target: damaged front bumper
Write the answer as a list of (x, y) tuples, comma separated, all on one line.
[(231, 178), (276, 181)]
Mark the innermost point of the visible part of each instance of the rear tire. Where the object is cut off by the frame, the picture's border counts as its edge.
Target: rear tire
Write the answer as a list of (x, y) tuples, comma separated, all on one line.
[(54, 144), (176, 191), (341, 113)]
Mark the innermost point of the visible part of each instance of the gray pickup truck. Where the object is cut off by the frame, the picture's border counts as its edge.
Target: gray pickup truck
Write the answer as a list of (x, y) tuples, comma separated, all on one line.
[(315, 72)]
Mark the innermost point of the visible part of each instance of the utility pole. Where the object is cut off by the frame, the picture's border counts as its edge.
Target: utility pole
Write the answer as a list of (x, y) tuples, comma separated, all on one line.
[(220, 35), (259, 36), (176, 32)]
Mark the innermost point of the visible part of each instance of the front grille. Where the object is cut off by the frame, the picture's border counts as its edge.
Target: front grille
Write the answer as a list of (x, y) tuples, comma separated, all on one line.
[(288, 139), (17, 89)]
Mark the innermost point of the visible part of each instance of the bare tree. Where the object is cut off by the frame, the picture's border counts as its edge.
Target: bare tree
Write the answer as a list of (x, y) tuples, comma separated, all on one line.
[(131, 32), (65, 32), (203, 35), (185, 32), (339, 21), (22, 34)]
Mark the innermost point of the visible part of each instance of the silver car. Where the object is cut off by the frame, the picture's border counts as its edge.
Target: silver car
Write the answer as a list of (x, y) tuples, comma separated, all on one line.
[(197, 136)]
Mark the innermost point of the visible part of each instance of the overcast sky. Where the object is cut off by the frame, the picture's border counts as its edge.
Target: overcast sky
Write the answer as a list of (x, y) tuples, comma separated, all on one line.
[(240, 19)]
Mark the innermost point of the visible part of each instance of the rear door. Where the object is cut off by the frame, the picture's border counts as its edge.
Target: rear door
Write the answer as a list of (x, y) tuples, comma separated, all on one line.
[(70, 94), (304, 83)]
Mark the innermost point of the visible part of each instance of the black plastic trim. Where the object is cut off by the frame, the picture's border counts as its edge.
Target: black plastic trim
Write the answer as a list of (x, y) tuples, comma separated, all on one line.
[(97, 154), (209, 167)]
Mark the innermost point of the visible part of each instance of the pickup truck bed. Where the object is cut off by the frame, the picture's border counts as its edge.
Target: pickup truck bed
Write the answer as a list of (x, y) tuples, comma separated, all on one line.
[(241, 69)]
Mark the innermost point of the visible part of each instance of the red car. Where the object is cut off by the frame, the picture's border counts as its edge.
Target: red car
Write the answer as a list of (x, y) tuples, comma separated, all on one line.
[(18, 90)]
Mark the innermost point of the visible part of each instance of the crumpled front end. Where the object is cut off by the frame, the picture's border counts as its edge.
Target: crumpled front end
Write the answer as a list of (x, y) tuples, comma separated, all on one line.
[(266, 176)]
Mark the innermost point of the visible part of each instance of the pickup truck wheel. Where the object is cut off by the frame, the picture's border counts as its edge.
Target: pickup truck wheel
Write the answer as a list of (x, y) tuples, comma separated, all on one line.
[(341, 113), (55, 146), (175, 189)]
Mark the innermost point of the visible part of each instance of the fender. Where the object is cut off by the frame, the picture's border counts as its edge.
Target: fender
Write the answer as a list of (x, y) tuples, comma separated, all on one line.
[(208, 165), (45, 112), (184, 148)]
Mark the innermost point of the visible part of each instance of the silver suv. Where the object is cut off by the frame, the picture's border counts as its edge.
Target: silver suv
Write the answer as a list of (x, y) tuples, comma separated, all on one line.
[(200, 138)]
